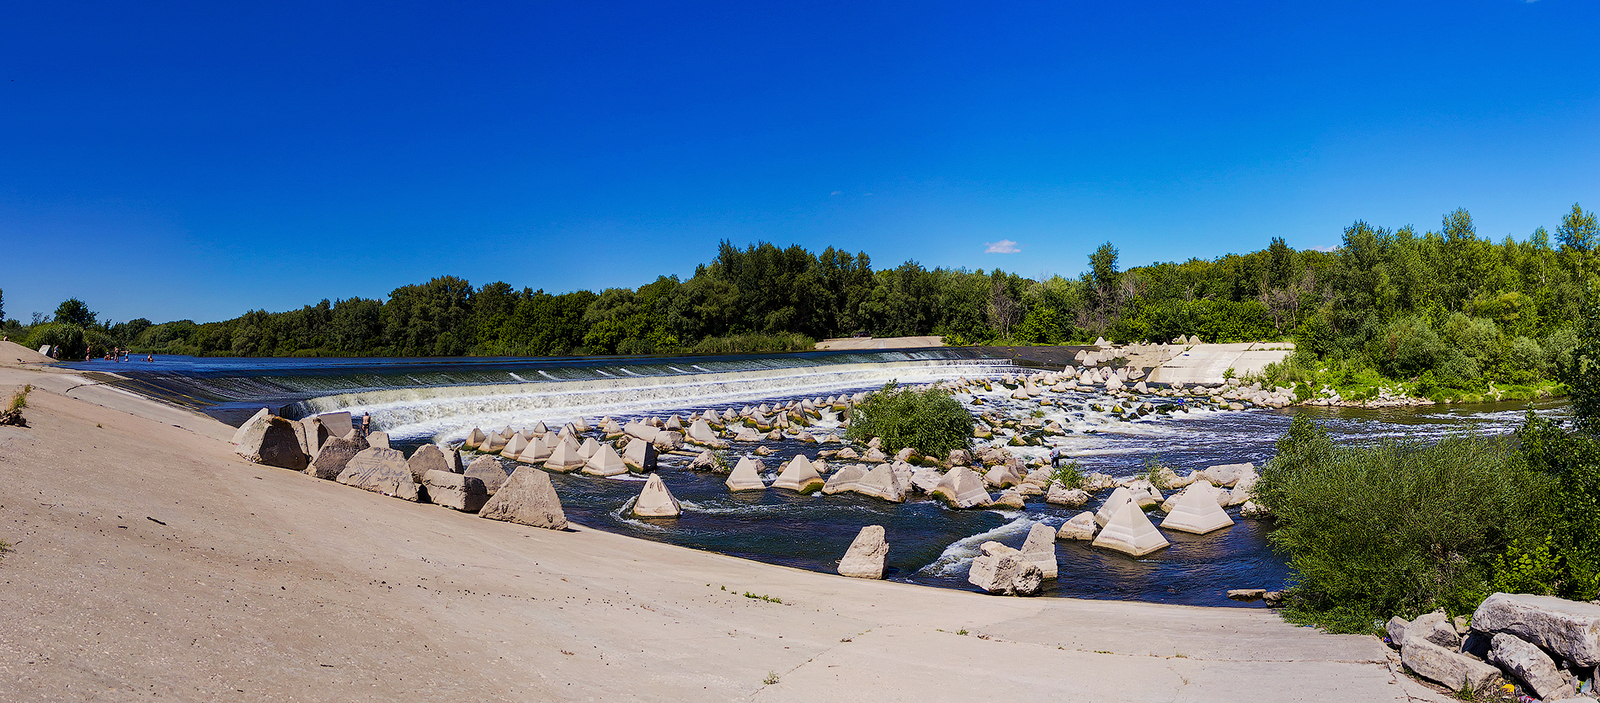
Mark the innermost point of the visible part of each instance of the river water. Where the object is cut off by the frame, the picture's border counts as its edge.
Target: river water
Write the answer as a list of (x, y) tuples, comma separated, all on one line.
[(441, 400)]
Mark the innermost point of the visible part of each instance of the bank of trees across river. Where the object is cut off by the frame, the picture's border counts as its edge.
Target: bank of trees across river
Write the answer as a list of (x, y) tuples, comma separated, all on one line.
[(1438, 307)]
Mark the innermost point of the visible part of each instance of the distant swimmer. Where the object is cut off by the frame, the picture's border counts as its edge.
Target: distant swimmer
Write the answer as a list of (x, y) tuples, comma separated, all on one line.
[(151, 357)]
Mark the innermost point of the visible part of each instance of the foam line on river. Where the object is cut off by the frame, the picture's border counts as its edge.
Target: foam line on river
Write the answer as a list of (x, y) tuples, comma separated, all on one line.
[(959, 555), (449, 412)]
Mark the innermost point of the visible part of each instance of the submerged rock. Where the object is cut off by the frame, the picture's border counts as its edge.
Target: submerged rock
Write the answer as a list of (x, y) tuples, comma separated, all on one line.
[(867, 554)]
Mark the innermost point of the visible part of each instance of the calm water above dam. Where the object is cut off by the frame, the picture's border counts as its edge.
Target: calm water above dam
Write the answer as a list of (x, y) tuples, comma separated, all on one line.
[(440, 400)]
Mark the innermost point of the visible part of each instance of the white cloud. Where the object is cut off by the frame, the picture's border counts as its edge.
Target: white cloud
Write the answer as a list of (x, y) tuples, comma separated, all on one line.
[(1330, 247), (836, 192), (1004, 246)]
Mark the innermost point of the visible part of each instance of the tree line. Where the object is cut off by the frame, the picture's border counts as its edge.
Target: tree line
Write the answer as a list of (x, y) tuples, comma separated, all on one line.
[(1446, 302)]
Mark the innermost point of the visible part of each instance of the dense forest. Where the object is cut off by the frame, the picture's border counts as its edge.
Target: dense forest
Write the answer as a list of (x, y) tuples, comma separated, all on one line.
[(1443, 306)]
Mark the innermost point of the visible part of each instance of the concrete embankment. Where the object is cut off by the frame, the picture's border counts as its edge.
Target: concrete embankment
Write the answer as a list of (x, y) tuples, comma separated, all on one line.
[(150, 562)]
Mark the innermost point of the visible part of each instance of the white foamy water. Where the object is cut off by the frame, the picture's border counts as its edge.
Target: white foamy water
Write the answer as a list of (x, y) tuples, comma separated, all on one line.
[(959, 555), (444, 413)]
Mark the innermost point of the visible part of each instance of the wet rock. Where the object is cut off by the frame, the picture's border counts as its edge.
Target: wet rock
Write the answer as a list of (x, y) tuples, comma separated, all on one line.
[(655, 500), (455, 491), (867, 554), (1009, 498), (926, 479), (381, 470), (1226, 475), (1002, 476), (705, 461), (527, 498)]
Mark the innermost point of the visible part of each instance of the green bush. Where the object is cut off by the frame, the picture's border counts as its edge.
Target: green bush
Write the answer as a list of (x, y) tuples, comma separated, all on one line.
[(931, 421), (1397, 528), (1069, 475)]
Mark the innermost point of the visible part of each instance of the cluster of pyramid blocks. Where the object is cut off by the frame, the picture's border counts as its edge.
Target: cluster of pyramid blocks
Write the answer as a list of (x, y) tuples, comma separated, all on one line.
[(1124, 527)]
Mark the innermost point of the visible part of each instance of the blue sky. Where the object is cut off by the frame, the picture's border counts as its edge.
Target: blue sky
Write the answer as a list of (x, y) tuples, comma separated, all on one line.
[(196, 160)]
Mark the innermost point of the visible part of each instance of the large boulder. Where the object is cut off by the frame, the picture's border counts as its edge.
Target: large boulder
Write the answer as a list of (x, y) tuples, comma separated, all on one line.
[(1531, 666), (605, 462), (926, 479), (274, 441), (866, 556), (1196, 511), (962, 488), (1069, 497), (1453, 670), (455, 491), (379, 439), (382, 470), (1040, 548), (1005, 571), (655, 500), (1081, 527), (882, 483), (255, 420), (746, 476), (490, 471), (1569, 629), (336, 455), (1130, 532), (800, 476), (1226, 475), (527, 498), (429, 457), (1002, 476), (640, 455), (1434, 627)]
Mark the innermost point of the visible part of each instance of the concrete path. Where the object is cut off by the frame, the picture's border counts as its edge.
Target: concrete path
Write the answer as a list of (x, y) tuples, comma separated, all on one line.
[(150, 563), (1207, 364)]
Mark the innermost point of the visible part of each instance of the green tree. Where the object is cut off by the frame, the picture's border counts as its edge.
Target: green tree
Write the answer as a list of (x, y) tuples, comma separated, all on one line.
[(73, 311)]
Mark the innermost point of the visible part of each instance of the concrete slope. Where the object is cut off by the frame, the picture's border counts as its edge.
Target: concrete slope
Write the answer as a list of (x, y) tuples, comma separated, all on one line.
[(151, 563), (1207, 364)]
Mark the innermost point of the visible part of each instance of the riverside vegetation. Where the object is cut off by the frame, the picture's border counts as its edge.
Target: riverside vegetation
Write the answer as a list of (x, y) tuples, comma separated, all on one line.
[(1443, 314), (1403, 528)]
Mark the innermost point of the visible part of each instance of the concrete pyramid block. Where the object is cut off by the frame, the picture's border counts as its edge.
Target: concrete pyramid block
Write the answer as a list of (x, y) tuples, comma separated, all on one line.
[(867, 554), (455, 491), (527, 498), (274, 441), (844, 480), (1196, 511), (605, 462), (655, 500), (381, 470), (962, 488), (564, 458), (492, 444), (1130, 532), (746, 476), (538, 449), (799, 476), (588, 448), (539, 428), (474, 438), (640, 455), (1080, 527), (514, 446), (882, 483), (1113, 503), (489, 470)]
